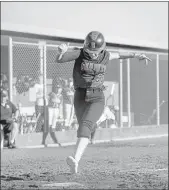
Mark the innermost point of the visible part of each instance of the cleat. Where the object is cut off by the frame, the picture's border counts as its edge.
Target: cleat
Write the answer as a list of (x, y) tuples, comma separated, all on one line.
[(73, 164)]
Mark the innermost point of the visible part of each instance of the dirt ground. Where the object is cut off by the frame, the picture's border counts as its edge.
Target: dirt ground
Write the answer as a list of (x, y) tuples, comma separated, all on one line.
[(138, 164)]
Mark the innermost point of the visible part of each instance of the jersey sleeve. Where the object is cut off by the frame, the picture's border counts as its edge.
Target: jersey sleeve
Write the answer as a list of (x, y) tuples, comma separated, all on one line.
[(113, 55), (68, 56)]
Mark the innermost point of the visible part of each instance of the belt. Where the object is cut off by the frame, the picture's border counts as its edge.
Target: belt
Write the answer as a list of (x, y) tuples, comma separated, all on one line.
[(91, 89)]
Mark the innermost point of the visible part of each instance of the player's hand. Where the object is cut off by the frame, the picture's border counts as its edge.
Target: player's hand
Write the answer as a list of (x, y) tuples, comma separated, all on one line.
[(63, 48), (142, 57)]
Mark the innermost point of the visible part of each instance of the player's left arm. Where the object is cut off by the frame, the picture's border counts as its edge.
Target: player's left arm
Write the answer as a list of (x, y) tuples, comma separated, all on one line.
[(128, 55)]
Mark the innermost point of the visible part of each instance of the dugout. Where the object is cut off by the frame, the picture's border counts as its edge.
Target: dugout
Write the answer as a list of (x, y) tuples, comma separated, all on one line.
[(142, 91)]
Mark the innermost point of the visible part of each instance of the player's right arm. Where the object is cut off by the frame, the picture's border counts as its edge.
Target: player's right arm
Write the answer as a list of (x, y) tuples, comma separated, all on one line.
[(65, 55)]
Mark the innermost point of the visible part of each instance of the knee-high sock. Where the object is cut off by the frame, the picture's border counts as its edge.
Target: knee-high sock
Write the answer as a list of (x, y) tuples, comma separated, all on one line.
[(80, 148)]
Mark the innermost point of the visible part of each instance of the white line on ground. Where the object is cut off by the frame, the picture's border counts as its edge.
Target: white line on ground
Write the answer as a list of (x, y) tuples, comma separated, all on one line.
[(99, 141), (152, 170), (145, 170), (48, 145), (161, 169), (140, 137), (66, 184)]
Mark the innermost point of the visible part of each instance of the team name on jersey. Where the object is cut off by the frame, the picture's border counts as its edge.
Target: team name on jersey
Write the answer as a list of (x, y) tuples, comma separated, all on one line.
[(88, 66)]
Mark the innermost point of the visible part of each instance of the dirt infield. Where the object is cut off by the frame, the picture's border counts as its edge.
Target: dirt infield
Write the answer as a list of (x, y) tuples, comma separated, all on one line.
[(138, 164)]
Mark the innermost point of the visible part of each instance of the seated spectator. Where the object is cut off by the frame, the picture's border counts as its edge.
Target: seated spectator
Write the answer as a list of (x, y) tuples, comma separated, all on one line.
[(8, 120)]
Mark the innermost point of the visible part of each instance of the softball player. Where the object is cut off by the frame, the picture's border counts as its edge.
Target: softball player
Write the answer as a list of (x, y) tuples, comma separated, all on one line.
[(88, 78)]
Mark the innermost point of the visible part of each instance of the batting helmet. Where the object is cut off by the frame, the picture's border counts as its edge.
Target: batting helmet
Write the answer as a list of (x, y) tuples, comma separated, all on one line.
[(94, 42)]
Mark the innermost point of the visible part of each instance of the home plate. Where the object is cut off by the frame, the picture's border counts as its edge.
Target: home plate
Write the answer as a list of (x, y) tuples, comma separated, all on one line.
[(67, 184)]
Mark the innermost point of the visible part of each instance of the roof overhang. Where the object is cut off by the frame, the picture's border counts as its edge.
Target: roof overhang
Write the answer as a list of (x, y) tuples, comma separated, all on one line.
[(34, 32)]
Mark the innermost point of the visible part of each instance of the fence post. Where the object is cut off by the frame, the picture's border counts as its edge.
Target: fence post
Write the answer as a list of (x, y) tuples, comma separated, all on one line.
[(42, 46), (45, 86), (121, 93), (128, 93), (10, 64), (157, 91)]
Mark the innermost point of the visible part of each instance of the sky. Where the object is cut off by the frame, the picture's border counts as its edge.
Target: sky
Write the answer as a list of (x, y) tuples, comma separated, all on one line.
[(143, 21)]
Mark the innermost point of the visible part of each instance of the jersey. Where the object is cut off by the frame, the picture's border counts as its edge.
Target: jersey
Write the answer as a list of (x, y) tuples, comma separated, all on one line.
[(89, 73)]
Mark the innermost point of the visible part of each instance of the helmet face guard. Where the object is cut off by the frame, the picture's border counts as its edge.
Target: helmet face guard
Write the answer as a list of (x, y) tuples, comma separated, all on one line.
[(94, 43)]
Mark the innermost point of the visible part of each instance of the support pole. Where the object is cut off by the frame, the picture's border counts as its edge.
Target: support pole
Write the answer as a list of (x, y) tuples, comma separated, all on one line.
[(128, 93), (157, 91), (10, 64), (121, 93)]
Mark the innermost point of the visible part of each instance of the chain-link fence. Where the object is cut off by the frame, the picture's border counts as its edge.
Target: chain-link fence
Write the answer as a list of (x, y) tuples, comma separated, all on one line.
[(27, 75), (61, 83), (36, 77), (131, 94)]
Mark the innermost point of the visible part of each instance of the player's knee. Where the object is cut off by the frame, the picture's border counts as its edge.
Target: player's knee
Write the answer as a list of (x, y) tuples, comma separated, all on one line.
[(85, 129)]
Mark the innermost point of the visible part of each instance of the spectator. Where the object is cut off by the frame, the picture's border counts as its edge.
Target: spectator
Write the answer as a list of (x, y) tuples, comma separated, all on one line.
[(52, 116), (4, 82), (70, 94), (55, 101), (67, 102), (8, 122), (39, 103)]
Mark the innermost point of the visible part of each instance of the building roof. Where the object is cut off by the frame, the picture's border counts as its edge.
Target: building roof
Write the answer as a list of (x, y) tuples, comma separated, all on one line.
[(75, 36)]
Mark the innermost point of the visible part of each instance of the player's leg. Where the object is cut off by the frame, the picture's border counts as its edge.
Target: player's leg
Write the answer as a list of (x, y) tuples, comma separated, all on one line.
[(90, 117), (53, 126), (102, 118), (55, 117), (45, 125), (111, 116), (11, 130), (44, 136), (79, 108), (93, 134), (92, 113), (50, 116)]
